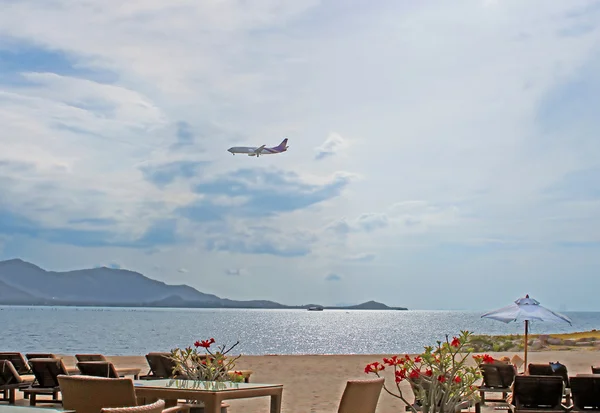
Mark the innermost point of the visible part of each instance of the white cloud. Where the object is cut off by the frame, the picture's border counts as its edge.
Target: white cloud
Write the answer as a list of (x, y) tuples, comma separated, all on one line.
[(183, 270), (331, 146), (480, 119)]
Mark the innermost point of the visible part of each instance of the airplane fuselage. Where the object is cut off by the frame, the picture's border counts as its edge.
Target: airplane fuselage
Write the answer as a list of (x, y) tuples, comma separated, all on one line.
[(258, 151)]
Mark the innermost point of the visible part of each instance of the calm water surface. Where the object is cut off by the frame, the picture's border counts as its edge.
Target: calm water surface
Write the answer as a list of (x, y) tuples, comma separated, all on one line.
[(128, 331)]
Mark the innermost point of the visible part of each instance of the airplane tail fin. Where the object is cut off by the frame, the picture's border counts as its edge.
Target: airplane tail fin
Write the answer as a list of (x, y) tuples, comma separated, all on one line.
[(282, 145)]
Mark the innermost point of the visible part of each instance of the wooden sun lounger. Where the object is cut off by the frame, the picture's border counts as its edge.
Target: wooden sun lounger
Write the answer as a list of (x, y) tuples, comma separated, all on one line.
[(46, 371), (498, 378), (538, 394), (10, 382), (585, 392), (17, 360)]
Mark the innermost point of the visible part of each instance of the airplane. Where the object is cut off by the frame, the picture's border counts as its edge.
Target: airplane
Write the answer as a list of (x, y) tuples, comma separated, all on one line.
[(261, 150)]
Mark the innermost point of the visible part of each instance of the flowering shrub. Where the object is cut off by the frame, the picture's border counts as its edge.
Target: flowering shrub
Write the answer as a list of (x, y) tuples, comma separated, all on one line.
[(439, 377), (209, 366)]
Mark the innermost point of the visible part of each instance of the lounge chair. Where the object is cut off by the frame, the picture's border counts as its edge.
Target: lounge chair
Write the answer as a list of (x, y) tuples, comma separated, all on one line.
[(10, 381), (46, 383), (18, 362), (98, 369), (538, 393), (361, 396), (161, 366), (31, 356), (586, 393), (88, 394), (548, 370), (497, 377), (90, 357), (156, 407)]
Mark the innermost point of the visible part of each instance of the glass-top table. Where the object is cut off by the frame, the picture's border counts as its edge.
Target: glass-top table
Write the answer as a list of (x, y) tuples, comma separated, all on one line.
[(197, 385), (212, 393)]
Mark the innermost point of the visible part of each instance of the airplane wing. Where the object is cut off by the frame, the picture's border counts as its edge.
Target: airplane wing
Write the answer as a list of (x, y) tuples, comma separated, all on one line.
[(259, 150)]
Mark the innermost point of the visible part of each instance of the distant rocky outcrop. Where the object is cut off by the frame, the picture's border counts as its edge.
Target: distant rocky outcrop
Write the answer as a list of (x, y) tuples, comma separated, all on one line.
[(23, 283)]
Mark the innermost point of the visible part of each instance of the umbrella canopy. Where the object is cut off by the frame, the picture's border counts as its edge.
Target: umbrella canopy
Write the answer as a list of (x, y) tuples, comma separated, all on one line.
[(526, 309)]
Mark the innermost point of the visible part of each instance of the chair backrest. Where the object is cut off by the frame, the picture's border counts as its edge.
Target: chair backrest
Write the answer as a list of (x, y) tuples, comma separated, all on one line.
[(538, 391), (498, 375), (40, 356), (8, 374), (90, 357), (595, 370), (98, 369), (88, 394), (46, 371), (585, 392), (156, 407), (161, 365), (17, 360), (361, 396), (548, 370)]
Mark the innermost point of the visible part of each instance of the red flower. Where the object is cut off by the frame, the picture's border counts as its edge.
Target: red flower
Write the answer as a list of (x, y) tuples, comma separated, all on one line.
[(428, 373), (457, 379), (393, 361), (455, 342), (374, 367), (414, 374), (400, 375), (418, 359), (487, 358), (239, 373), (204, 343), (441, 379)]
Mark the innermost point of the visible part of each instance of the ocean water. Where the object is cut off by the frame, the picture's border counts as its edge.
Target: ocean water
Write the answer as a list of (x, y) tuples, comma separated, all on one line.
[(137, 331)]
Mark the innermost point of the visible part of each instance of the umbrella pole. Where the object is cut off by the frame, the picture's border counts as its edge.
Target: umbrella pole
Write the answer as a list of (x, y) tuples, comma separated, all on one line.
[(526, 341)]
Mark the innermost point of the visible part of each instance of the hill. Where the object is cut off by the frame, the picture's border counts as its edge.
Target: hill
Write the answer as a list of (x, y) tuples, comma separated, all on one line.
[(23, 283)]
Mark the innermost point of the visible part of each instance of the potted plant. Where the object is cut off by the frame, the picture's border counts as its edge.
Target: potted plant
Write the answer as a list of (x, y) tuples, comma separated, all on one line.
[(441, 380), (201, 364)]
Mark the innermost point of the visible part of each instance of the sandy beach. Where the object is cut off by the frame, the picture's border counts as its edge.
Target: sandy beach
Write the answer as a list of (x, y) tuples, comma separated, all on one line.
[(314, 383)]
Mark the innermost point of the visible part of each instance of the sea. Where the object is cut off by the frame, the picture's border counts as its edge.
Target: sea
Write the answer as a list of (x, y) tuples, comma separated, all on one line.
[(137, 331)]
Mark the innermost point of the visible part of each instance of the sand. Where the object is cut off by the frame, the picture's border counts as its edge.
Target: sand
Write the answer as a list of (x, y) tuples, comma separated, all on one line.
[(314, 383)]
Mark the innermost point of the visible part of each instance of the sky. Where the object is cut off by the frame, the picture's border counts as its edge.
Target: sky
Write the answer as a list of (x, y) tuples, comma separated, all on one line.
[(442, 155)]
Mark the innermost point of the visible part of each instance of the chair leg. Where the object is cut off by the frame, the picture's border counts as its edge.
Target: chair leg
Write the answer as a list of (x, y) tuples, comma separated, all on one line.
[(32, 399), (12, 396)]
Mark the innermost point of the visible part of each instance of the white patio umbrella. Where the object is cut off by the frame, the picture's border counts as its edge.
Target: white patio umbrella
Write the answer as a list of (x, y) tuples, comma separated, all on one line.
[(526, 309)]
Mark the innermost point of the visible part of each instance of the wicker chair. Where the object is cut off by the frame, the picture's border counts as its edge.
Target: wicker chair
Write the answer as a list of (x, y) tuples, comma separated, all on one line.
[(361, 396), (89, 394), (156, 407)]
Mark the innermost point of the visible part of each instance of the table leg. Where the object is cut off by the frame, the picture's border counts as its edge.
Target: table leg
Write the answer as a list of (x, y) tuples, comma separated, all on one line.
[(276, 403), (212, 404)]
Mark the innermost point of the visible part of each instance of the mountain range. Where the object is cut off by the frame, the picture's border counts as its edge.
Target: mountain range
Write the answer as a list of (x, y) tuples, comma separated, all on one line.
[(23, 283)]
